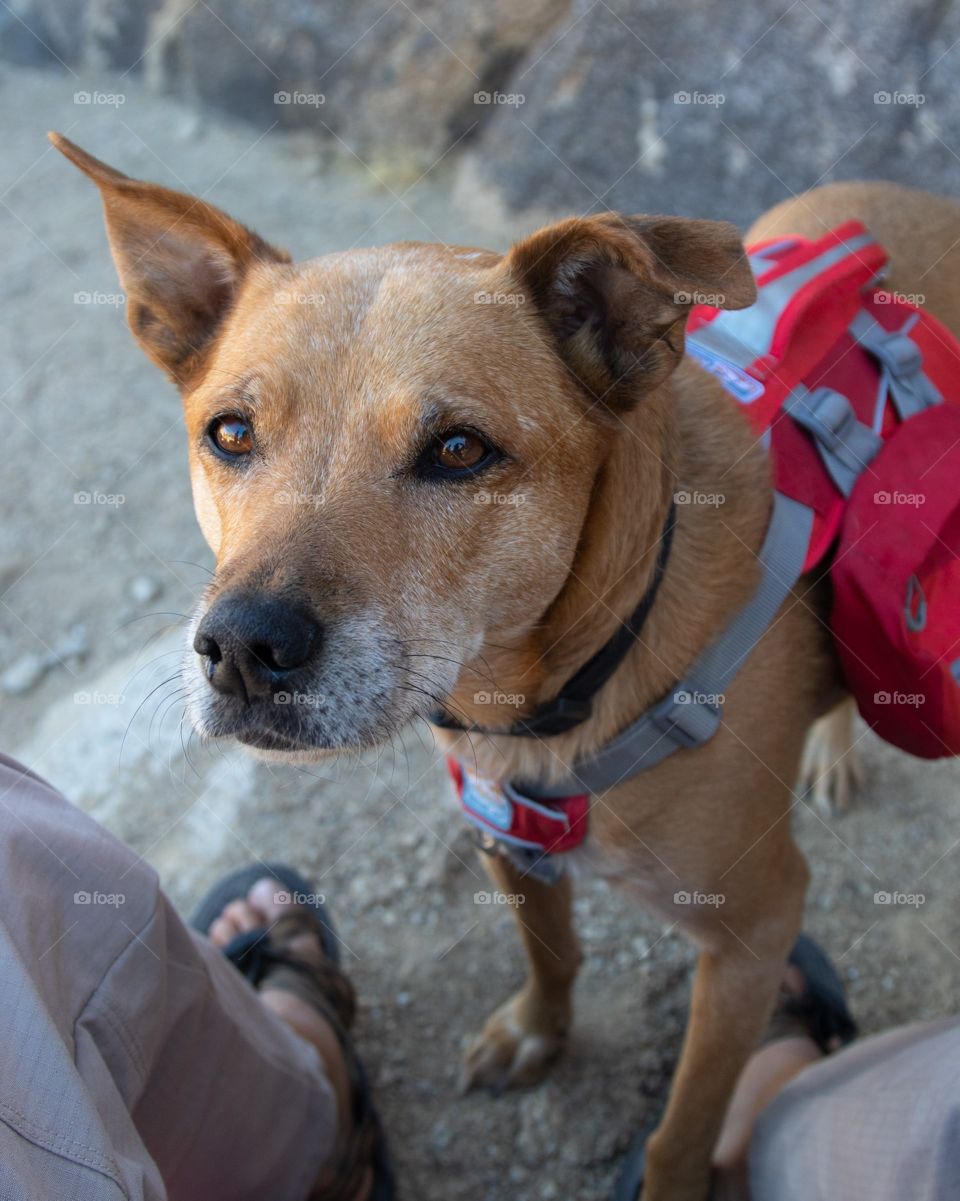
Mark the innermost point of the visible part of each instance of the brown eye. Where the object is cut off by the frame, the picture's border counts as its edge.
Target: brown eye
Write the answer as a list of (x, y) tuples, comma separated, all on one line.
[(460, 450), (231, 435)]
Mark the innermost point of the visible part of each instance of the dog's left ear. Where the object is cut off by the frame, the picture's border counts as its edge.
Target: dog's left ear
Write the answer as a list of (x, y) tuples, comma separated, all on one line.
[(180, 261), (616, 292)]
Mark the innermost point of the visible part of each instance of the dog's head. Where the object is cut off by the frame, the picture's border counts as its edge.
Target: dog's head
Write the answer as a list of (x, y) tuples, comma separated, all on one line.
[(392, 451)]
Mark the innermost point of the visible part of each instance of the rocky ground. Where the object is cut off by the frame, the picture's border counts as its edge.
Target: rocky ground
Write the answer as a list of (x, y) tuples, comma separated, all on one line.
[(90, 599)]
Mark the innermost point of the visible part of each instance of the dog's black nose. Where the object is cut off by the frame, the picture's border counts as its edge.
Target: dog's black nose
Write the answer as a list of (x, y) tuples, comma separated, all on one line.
[(253, 642)]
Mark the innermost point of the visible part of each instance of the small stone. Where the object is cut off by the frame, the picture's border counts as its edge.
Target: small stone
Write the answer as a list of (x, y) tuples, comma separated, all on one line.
[(23, 675), (143, 589), (74, 644)]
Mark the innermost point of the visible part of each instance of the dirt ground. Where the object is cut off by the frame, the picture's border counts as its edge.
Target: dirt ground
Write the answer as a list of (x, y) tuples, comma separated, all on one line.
[(85, 414)]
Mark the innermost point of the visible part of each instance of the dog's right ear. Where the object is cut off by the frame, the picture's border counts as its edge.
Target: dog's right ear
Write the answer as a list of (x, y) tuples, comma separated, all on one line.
[(179, 259)]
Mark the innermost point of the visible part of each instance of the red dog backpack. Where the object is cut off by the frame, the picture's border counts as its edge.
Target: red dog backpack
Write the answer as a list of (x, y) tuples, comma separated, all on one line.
[(856, 392)]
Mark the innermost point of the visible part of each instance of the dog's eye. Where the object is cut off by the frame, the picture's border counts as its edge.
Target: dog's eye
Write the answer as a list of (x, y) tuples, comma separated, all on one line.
[(231, 435), (456, 454)]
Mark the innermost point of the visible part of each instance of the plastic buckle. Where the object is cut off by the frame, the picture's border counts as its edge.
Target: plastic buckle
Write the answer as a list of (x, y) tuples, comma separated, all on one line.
[(899, 353), (687, 720), (833, 414)]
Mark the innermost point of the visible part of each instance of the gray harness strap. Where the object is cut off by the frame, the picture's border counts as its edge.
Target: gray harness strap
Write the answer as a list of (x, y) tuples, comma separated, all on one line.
[(911, 389), (691, 714), (846, 445)]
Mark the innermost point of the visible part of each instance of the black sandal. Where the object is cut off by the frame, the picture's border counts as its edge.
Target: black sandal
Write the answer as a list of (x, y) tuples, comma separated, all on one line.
[(821, 1012), (260, 954)]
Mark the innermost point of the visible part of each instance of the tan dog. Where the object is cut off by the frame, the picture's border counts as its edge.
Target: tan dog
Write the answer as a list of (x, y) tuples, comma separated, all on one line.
[(336, 448)]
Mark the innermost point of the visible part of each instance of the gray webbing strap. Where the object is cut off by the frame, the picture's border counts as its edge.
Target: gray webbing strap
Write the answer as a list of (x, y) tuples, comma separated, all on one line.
[(911, 390), (846, 445), (746, 335), (691, 713)]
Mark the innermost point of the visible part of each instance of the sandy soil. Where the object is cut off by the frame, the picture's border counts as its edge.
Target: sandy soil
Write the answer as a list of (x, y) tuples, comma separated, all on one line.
[(85, 414)]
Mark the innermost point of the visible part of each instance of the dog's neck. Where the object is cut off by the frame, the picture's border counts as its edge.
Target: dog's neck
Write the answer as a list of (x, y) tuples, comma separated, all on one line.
[(687, 438)]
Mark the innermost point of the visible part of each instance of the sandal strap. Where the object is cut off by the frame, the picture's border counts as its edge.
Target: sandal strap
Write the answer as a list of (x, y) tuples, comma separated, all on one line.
[(261, 953)]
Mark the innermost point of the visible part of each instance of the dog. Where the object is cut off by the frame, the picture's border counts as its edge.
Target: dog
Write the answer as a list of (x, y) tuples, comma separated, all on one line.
[(341, 415)]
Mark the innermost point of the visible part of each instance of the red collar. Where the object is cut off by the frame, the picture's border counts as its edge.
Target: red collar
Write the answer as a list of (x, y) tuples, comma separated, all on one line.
[(547, 826)]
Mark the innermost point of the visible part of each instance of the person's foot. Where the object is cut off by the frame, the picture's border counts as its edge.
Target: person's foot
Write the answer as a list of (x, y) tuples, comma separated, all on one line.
[(264, 905), (789, 1047)]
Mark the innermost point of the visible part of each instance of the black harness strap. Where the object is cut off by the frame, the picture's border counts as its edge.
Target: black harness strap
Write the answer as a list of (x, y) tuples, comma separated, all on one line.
[(573, 704)]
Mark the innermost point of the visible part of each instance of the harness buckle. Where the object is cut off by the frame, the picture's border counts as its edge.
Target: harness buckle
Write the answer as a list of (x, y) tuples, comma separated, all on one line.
[(687, 716)]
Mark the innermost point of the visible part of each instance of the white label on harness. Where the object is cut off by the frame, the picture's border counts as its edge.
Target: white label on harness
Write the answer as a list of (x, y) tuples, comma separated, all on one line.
[(487, 801), (744, 387)]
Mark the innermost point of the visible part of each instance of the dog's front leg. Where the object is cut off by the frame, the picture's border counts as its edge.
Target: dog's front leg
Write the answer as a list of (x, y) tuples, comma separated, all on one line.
[(523, 1036), (734, 991)]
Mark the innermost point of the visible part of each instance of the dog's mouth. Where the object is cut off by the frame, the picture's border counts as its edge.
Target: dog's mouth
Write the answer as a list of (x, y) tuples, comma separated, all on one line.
[(355, 695)]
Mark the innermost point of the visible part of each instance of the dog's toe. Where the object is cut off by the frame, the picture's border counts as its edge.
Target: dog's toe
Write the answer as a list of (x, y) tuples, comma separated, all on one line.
[(508, 1052)]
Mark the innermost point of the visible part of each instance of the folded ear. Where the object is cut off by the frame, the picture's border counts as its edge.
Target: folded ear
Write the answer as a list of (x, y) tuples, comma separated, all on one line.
[(180, 262), (616, 292)]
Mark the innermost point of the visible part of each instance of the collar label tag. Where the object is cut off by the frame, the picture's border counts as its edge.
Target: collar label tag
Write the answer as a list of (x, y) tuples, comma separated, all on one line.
[(744, 387), (485, 800)]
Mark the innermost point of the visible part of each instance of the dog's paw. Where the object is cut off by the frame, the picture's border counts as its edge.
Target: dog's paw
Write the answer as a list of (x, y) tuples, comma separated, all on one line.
[(830, 771), (515, 1048)]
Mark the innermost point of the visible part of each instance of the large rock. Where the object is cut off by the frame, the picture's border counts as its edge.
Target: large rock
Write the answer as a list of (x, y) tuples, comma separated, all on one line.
[(719, 110), (713, 108)]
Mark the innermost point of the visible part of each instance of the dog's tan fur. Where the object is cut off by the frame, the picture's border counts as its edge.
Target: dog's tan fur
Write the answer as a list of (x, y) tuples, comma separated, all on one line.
[(600, 431)]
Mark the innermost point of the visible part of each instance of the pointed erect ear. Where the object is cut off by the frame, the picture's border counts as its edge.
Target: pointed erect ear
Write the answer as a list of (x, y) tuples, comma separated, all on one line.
[(180, 262), (616, 291)]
